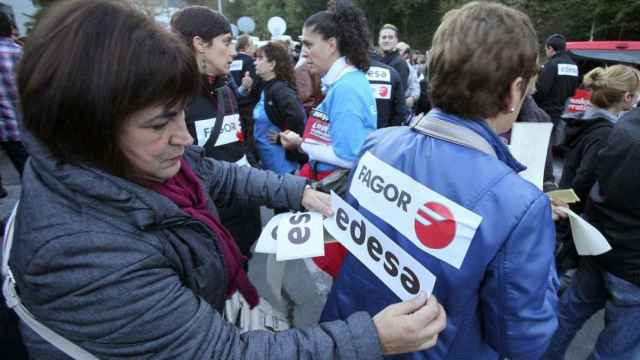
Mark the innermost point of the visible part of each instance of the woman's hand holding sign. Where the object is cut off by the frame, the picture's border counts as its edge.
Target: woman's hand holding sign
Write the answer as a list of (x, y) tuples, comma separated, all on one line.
[(411, 325)]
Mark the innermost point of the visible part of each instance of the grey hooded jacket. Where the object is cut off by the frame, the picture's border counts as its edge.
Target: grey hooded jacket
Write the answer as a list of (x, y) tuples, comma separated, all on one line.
[(121, 271)]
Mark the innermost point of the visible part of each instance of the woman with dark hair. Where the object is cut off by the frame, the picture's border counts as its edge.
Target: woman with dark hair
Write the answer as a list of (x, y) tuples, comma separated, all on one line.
[(117, 246), (495, 274), (279, 109), (335, 45), (212, 116)]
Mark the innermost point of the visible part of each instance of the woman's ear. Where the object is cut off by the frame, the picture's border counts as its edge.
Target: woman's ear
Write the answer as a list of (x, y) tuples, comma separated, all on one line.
[(333, 44), (517, 92), (198, 44)]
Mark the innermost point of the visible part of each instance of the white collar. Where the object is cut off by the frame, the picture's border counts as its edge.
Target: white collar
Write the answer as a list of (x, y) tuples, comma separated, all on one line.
[(339, 68)]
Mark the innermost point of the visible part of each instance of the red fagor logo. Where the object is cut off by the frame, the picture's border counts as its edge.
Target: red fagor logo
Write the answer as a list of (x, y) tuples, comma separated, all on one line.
[(435, 225), (383, 91)]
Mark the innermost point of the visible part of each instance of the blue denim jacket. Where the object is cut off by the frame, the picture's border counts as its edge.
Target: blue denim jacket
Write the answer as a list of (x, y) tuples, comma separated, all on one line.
[(502, 301)]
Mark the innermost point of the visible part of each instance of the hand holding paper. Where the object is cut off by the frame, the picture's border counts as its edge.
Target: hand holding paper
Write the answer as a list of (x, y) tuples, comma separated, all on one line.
[(410, 326)]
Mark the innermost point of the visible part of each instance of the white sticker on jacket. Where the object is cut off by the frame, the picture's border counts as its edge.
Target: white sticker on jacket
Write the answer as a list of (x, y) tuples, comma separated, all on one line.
[(381, 91), (396, 268), (567, 70), (376, 73), (228, 132), (236, 65), (433, 223)]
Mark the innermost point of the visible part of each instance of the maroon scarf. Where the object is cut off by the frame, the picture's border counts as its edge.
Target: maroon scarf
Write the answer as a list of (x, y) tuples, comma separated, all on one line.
[(186, 191)]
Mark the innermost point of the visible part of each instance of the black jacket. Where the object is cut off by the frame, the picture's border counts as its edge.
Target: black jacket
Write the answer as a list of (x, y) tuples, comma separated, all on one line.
[(243, 223), (614, 203), (396, 61), (558, 81), (204, 107), (585, 136), (285, 111), (389, 94)]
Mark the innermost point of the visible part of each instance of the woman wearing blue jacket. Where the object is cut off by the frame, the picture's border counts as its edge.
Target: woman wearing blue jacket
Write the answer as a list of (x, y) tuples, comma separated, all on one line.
[(500, 291)]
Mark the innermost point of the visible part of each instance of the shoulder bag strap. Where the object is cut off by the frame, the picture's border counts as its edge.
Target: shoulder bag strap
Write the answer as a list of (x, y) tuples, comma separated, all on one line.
[(453, 133), (13, 302), (217, 127)]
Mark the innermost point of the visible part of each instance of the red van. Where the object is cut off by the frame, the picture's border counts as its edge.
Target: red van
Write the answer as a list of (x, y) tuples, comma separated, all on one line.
[(591, 54)]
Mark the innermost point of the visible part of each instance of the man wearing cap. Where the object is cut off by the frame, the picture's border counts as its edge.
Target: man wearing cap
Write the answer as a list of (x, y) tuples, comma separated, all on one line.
[(557, 81)]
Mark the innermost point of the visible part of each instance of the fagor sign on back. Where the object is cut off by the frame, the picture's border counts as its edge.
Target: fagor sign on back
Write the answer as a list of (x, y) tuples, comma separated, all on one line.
[(429, 220)]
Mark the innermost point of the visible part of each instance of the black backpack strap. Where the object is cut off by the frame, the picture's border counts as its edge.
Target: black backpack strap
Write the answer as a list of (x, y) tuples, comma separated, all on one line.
[(452, 133), (217, 127)]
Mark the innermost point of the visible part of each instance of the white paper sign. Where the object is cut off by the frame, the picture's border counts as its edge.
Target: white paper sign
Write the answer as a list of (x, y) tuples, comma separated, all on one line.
[(267, 242), (588, 240), (228, 132), (381, 91), (376, 73), (567, 70), (404, 275), (300, 235), (429, 220), (529, 145), (236, 65)]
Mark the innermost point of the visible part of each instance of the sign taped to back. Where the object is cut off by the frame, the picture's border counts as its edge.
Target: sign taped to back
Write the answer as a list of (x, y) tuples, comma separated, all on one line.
[(398, 270), (433, 223)]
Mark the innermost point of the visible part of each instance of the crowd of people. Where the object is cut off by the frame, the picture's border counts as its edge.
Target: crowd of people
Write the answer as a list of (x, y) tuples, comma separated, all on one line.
[(141, 197)]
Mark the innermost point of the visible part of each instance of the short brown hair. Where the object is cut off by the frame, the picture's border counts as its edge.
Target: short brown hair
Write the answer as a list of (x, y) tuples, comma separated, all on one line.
[(478, 51), (87, 67), (609, 85), (243, 43), (390, 27)]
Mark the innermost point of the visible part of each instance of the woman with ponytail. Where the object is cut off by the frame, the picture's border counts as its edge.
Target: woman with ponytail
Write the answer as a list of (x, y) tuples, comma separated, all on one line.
[(614, 90), (335, 45)]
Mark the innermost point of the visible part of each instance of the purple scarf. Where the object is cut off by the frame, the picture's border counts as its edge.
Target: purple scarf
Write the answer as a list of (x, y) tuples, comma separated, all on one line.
[(186, 191)]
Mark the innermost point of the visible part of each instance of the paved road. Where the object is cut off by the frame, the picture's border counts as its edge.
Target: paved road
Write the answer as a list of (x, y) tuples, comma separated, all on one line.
[(579, 350)]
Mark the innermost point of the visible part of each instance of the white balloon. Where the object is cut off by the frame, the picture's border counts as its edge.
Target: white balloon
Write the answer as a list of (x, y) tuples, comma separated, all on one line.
[(234, 30), (246, 24), (277, 26)]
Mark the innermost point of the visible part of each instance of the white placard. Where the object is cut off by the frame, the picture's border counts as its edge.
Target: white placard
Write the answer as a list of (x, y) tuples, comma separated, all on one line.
[(435, 224), (567, 70), (381, 91), (529, 145), (403, 274), (228, 132), (376, 73), (236, 65), (267, 242), (300, 235), (588, 240)]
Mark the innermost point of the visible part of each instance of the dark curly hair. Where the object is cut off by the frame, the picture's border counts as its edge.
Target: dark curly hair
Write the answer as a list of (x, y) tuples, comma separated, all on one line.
[(348, 24), (275, 51)]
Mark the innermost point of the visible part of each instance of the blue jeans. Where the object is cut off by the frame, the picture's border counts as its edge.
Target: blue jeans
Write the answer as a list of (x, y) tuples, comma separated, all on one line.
[(592, 289)]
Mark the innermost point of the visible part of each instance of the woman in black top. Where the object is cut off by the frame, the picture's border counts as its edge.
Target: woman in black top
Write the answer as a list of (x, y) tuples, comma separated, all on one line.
[(279, 109)]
